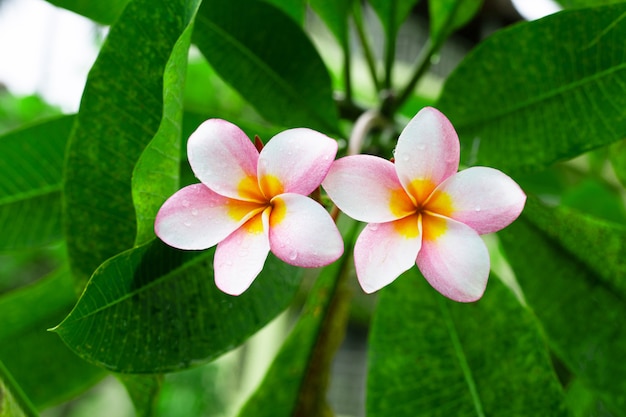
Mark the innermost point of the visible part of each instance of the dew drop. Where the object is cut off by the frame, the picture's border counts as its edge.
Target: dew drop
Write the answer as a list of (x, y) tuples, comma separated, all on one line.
[(188, 224), (194, 212), (405, 158), (185, 203), (421, 146), (477, 208), (373, 226), (293, 255)]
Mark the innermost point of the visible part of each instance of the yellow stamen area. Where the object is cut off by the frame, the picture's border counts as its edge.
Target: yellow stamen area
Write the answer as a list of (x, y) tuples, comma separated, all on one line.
[(255, 224), (248, 189), (421, 189), (400, 203), (238, 210), (408, 226), (271, 185), (279, 211), (440, 203), (434, 227)]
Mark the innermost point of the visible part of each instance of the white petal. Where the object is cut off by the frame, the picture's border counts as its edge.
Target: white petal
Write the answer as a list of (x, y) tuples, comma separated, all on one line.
[(302, 233), (225, 160), (453, 259), (295, 161), (428, 151), (240, 258), (367, 189), (386, 250)]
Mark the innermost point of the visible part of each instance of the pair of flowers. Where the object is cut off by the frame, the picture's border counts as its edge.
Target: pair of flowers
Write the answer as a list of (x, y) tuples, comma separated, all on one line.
[(418, 208)]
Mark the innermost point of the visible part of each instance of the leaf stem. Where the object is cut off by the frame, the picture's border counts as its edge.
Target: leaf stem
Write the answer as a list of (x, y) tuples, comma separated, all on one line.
[(422, 63), (390, 46), (367, 121), (365, 45)]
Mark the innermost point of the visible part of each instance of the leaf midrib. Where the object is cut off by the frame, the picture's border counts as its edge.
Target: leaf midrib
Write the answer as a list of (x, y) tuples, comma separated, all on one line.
[(37, 192)]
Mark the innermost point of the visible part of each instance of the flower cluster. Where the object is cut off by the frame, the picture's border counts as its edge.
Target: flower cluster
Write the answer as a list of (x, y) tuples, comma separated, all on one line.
[(418, 208)]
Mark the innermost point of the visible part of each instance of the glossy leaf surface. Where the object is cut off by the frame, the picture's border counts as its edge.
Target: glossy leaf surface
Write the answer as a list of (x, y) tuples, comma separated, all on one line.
[(288, 83), (120, 113), (157, 309), (430, 356), (102, 12), (580, 312), (31, 169), (539, 92), (47, 371)]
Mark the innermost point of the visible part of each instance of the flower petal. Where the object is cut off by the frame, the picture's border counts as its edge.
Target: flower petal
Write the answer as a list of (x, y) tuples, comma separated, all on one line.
[(384, 251), (483, 198), (240, 257), (367, 189), (302, 233), (453, 259), (224, 159), (428, 152), (295, 161), (198, 218)]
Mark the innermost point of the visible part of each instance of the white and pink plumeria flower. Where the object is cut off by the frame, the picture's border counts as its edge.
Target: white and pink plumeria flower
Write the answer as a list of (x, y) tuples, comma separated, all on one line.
[(250, 203), (420, 210)]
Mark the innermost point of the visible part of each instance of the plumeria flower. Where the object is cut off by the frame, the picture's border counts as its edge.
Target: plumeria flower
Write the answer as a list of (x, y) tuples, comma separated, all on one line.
[(251, 202), (420, 210)]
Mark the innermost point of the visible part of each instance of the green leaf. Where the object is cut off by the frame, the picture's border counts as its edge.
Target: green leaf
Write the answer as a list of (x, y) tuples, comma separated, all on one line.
[(144, 392), (581, 314), (430, 356), (446, 16), (335, 14), (287, 83), (30, 184), (102, 12), (120, 113), (296, 9), (156, 175), (392, 13), (617, 157), (295, 384), (47, 371), (155, 309), (13, 402), (585, 3), (539, 92)]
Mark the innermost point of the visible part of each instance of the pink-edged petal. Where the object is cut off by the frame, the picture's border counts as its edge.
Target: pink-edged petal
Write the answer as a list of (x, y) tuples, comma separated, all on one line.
[(224, 159), (483, 198), (383, 251), (241, 256), (195, 217), (427, 151), (295, 161), (302, 233), (367, 189), (453, 259)]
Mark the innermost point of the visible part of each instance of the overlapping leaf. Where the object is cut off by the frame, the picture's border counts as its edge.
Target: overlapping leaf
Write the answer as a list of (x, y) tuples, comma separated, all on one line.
[(267, 58), (155, 309), (120, 113), (47, 371), (13, 402), (449, 15), (30, 184), (581, 312), (102, 12), (539, 91), (430, 356)]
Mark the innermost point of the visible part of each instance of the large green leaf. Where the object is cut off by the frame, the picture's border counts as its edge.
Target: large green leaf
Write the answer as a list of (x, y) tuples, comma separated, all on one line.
[(155, 309), (105, 12), (47, 371), (296, 9), (156, 175), (581, 313), (30, 183), (586, 3), (120, 113), (448, 15), (539, 91), (392, 13), (295, 384), (430, 356), (335, 14), (267, 58), (13, 402)]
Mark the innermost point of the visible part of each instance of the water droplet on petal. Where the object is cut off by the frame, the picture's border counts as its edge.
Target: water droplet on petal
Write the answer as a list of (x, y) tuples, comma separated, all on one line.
[(293, 255), (194, 212), (185, 203), (477, 208), (421, 146), (373, 226), (188, 224), (405, 158)]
